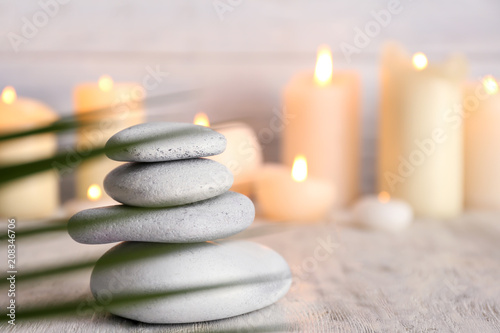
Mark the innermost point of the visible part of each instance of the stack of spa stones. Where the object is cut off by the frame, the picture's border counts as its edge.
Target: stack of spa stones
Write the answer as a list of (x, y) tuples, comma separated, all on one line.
[(175, 204)]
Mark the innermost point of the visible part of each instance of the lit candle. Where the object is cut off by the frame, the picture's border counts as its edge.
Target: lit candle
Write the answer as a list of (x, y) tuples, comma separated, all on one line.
[(382, 212), (124, 103), (420, 148), (201, 119), (482, 150), (93, 200), (243, 154), (322, 112), (35, 196), (290, 195)]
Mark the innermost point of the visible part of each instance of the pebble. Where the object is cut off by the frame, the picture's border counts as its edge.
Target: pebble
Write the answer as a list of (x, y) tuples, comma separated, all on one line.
[(166, 184), (165, 141), (392, 216), (173, 283), (211, 219)]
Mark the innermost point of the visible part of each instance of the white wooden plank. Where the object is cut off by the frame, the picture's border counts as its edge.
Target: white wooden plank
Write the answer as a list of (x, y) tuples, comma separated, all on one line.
[(434, 276)]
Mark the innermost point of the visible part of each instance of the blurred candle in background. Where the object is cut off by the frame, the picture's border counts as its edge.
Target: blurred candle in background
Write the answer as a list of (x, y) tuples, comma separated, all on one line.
[(322, 110), (482, 145), (35, 196), (243, 154), (93, 200), (288, 194), (420, 146), (117, 106), (201, 119)]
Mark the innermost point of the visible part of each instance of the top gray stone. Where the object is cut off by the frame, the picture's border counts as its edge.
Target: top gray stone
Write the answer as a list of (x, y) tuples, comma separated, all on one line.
[(165, 141)]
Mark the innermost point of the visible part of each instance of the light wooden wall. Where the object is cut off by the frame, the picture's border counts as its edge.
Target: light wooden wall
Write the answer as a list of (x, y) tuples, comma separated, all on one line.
[(244, 55)]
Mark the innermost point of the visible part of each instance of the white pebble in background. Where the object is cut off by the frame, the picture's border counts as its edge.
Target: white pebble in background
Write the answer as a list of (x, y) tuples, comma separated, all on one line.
[(393, 216)]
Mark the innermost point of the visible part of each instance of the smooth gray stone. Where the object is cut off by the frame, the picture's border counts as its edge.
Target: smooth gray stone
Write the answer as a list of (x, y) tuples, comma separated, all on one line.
[(186, 283), (166, 184), (165, 141), (215, 218)]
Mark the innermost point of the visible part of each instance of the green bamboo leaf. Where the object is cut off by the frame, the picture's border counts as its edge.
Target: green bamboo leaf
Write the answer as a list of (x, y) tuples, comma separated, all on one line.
[(67, 160), (60, 225), (57, 270), (67, 268), (85, 119), (78, 306), (57, 126), (60, 162), (53, 226), (61, 269)]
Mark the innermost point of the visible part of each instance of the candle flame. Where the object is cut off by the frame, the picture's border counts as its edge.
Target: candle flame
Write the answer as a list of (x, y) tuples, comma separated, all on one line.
[(384, 197), (94, 192), (9, 95), (201, 119), (299, 168), (490, 85), (419, 61), (105, 83), (324, 66)]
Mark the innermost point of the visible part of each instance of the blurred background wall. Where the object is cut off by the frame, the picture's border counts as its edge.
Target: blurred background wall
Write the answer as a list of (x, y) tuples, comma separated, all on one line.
[(241, 51)]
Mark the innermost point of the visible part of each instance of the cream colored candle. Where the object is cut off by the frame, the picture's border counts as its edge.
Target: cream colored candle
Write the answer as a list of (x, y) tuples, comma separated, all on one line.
[(124, 103), (243, 154), (420, 146), (285, 194), (482, 146), (322, 112), (35, 196)]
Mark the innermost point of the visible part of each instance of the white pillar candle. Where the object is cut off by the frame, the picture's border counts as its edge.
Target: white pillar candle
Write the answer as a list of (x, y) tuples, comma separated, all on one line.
[(420, 147), (35, 196), (285, 194), (124, 103), (322, 110), (382, 212), (482, 145), (243, 154)]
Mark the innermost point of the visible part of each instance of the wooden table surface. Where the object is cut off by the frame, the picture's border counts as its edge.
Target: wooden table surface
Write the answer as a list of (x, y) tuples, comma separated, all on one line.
[(432, 277)]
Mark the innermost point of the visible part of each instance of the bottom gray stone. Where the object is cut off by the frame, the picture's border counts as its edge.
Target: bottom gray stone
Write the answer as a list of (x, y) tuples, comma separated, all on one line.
[(185, 283)]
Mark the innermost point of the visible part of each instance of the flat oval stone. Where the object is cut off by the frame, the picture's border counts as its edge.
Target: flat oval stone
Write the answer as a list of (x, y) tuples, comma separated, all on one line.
[(165, 184), (185, 283), (211, 219), (164, 141)]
